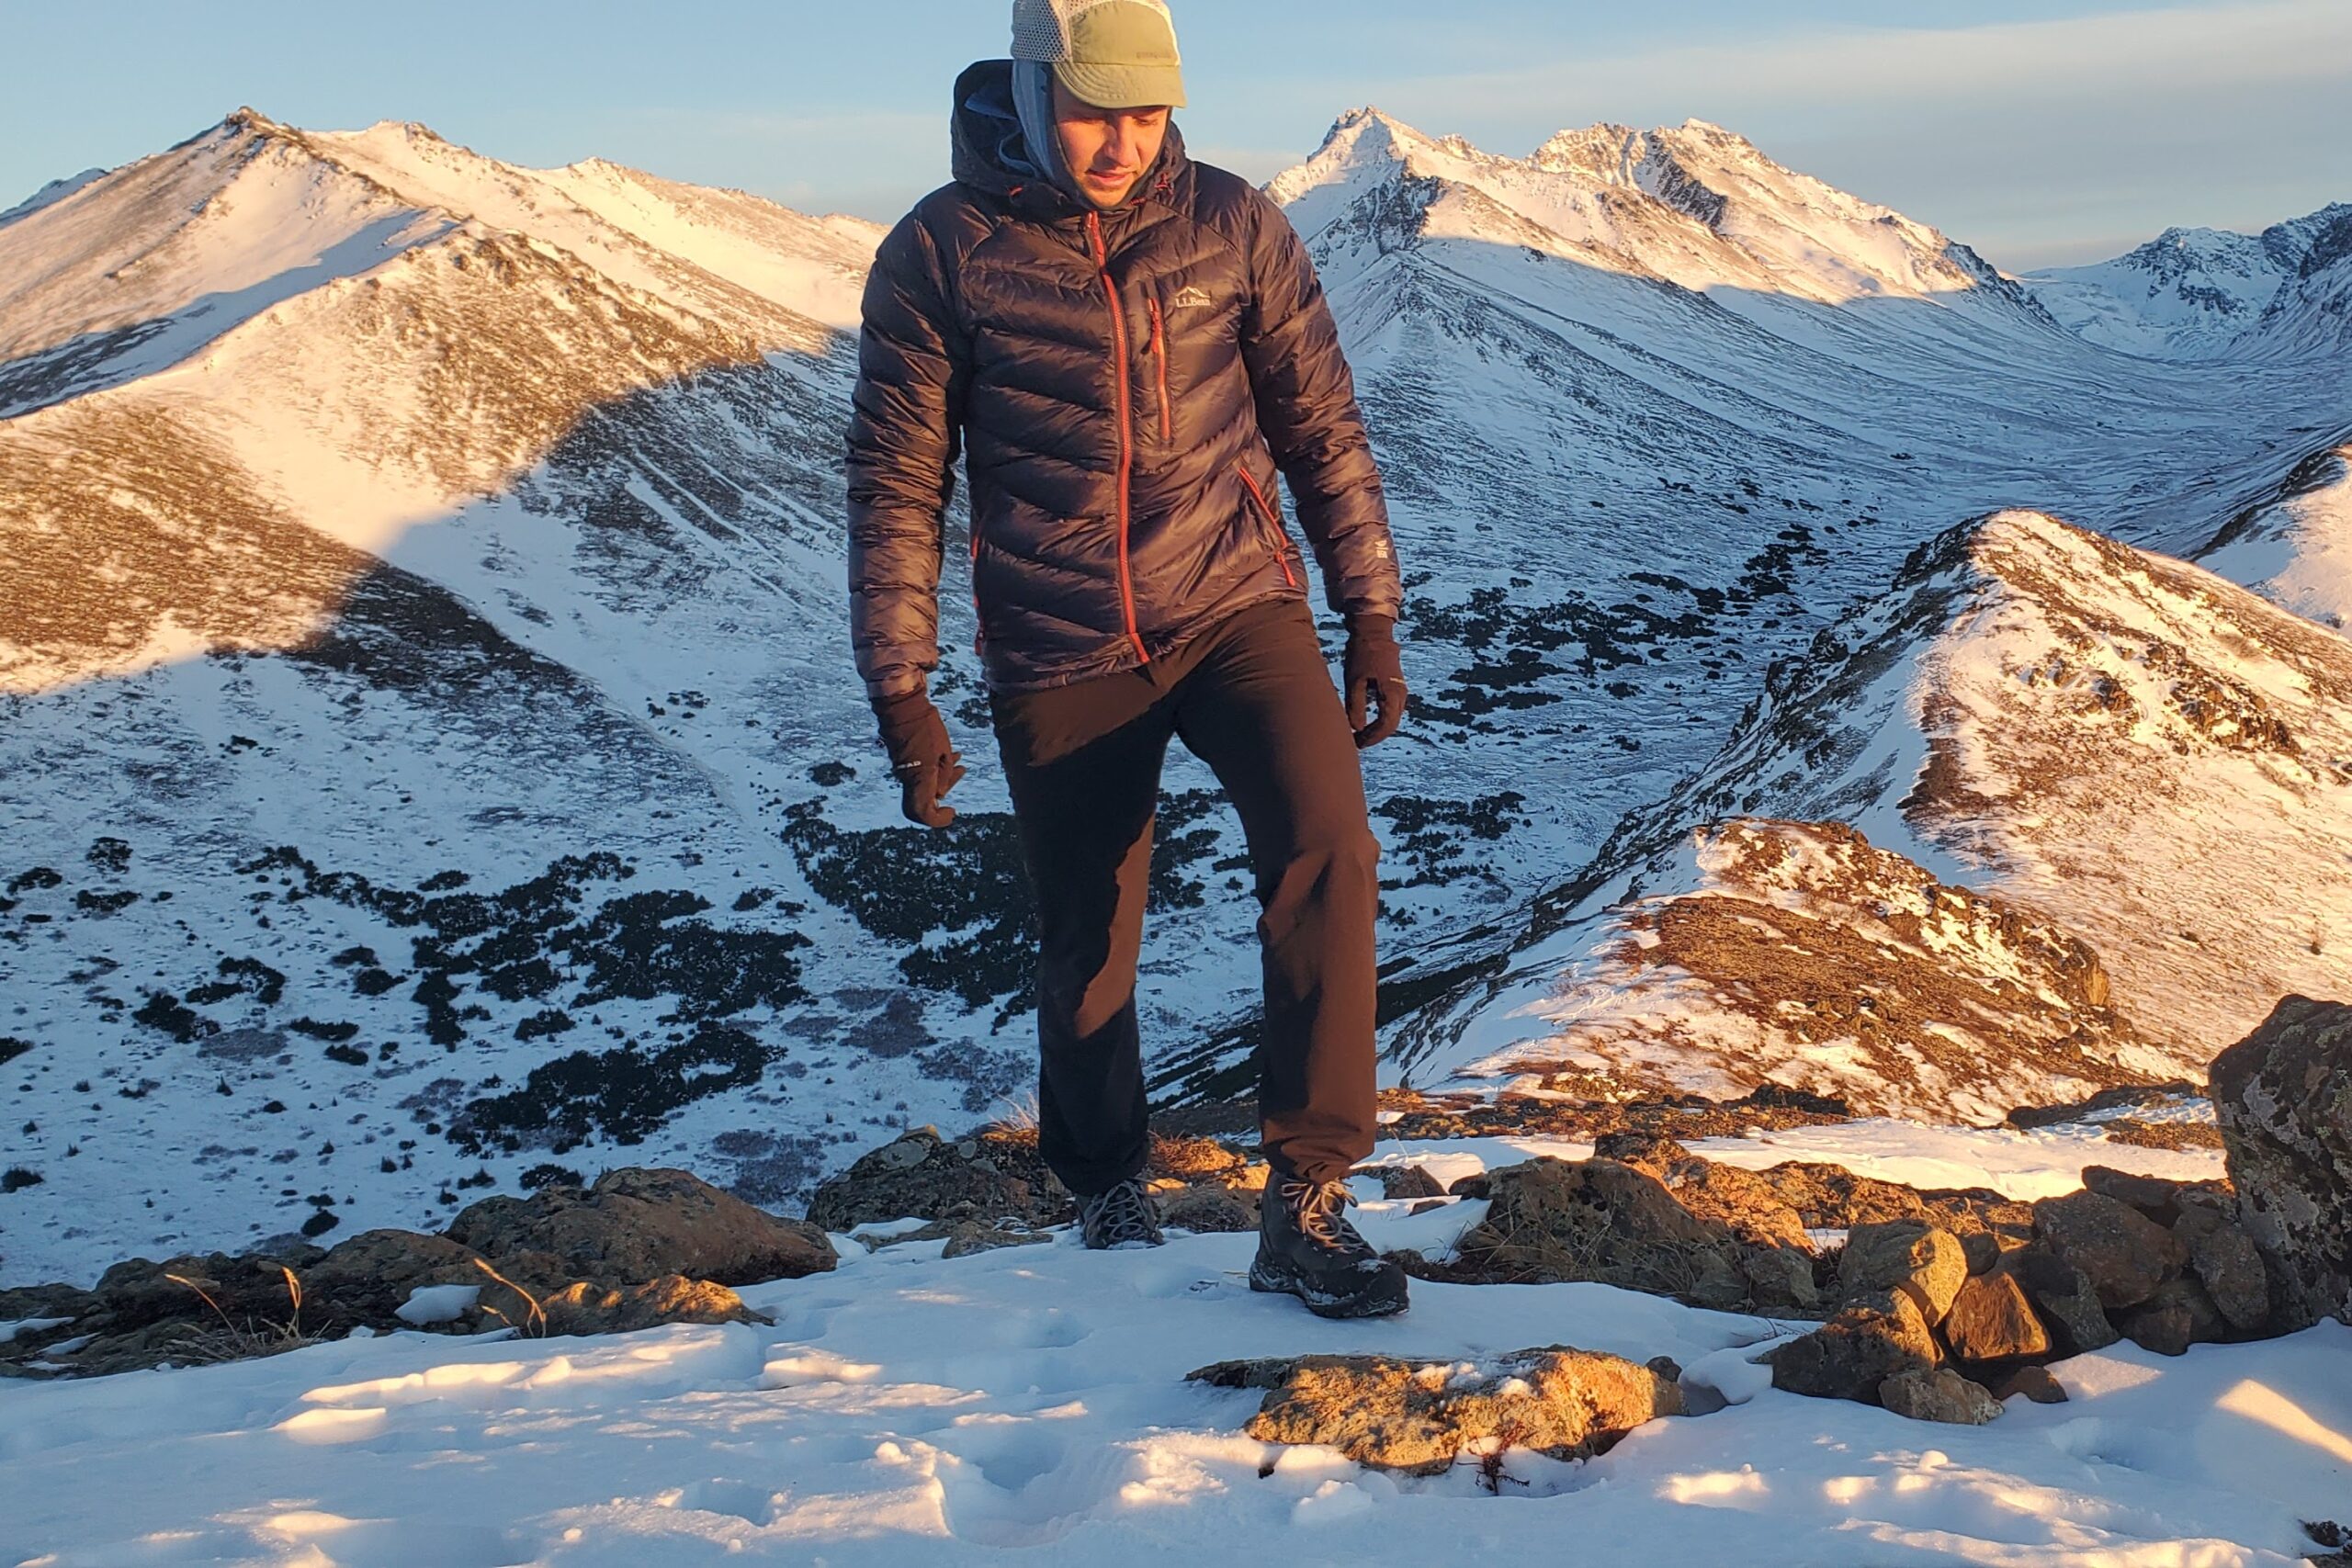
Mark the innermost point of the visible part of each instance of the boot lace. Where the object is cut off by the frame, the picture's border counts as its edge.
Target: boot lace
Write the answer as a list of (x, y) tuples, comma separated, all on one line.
[(1320, 1209), (1122, 1214)]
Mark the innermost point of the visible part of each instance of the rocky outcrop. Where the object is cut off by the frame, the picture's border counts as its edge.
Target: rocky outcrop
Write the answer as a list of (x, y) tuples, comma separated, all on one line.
[(639, 1224), (2125, 1254), (993, 1175), (1422, 1417), (1849, 1357), (2064, 1298), (1992, 1320), (1551, 1220), (1939, 1395), (992, 1189), (1926, 1263), (583, 1308), (2284, 1099), (640, 1248), (2159, 1261), (1830, 1197)]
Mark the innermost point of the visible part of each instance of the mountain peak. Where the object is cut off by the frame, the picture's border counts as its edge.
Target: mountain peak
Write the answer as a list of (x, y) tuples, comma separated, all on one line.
[(244, 117), (1630, 201)]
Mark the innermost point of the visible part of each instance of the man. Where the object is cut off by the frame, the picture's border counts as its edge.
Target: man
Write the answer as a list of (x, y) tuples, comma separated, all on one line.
[(1125, 345)]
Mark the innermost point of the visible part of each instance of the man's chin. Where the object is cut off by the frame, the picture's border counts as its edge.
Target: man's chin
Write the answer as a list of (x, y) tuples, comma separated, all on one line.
[(1104, 196)]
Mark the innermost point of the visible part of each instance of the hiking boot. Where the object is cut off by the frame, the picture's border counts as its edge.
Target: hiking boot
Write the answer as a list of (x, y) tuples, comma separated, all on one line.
[(1123, 1217), (1307, 1248)]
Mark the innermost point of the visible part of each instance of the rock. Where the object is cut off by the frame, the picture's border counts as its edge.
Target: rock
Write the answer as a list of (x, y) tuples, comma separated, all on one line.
[(2229, 1265), (59, 1300), (368, 1279), (1744, 1201), (1991, 1319), (1195, 1160), (1399, 1182), (206, 1287), (923, 1177), (1642, 1149), (2064, 1296), (2177, 1315), (1983, 1250), (636, 1225), (1427, 1204), (2154, 1196), (1939, 1395), (1978, 1211), (1778, 1278), (1830, 1197), (1214, 1209), (172, 1342), (966, 1238), (2033, 1380), (1848, 1356), (1551, 1220), (1419, 1417), (2126, 1254), (2283, 1096), (585, 1308), (1904, 1255), (2118, 1098)]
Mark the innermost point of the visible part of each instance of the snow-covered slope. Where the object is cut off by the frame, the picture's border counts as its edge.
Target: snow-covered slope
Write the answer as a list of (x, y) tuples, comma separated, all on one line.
[(2139, 775), (2188, 293), (431, 755), (55, 190), (1030, 1405), (2294, 547)]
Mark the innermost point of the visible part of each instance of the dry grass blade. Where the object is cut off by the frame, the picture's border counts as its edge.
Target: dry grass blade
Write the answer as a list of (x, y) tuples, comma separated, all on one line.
[(535, 1322), (233, 1342)]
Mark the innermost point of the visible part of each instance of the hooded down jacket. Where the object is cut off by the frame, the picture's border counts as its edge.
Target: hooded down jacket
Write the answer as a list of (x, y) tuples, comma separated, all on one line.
[(1121, 386)]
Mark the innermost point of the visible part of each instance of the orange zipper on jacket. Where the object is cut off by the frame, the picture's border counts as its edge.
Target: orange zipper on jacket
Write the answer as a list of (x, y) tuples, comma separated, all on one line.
[(980, 633), (1273, 524), (1127, 421), (1159, 364)]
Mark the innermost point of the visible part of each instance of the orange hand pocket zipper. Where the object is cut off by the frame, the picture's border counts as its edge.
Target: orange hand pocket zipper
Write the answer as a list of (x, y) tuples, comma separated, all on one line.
[(1273, 525)]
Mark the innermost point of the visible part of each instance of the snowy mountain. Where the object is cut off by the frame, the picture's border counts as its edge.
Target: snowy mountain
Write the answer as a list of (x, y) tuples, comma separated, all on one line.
[(431, 756), (2294, 547), (2188, 293), (2065, 758)]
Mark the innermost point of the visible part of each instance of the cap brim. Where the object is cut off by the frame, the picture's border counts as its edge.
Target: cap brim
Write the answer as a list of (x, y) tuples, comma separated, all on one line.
[(1122, 86)]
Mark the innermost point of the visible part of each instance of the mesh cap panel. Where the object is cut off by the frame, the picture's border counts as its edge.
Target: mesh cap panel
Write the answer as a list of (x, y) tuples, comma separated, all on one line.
[(1042, 29)]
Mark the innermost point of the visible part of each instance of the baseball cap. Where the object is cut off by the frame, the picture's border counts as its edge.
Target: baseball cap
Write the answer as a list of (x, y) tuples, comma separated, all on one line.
[(1114, 54)]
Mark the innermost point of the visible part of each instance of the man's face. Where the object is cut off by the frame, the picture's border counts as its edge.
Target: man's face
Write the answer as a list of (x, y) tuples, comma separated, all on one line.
[(1106, 150)]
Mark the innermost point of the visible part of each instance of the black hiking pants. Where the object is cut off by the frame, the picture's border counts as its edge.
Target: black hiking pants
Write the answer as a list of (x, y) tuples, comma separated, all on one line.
[(1252, 697)]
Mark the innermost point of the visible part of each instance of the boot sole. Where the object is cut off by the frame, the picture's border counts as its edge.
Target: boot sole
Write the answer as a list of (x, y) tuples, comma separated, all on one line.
[(1385, 1297)]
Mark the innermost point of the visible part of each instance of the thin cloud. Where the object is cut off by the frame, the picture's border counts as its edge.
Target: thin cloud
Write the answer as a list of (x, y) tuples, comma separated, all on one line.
[(2198, 50), (2038, 141)]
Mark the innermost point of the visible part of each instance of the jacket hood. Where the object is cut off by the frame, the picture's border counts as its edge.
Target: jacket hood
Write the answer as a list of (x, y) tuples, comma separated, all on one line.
[(984, 134)]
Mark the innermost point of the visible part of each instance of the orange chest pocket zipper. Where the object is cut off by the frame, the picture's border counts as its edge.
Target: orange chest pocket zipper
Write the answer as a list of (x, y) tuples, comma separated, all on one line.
[(1160, 368), (1272, 523)]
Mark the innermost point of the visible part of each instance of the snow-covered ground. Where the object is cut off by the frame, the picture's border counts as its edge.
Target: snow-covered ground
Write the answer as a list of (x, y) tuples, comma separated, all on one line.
[(1032, 1401)]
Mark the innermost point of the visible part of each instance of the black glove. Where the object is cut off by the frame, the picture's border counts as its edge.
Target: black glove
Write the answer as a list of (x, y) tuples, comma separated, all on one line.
[(922, 762), (1376, 678)]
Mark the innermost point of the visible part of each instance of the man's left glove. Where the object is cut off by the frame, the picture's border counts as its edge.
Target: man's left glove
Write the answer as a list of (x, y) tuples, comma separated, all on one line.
[(921, 759), (1375, 679)]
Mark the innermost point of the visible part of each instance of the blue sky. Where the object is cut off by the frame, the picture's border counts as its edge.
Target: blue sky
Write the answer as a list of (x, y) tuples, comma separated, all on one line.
[(2063, 130)]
